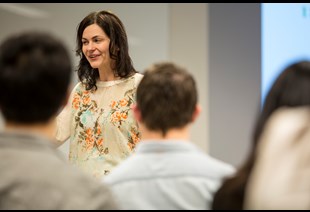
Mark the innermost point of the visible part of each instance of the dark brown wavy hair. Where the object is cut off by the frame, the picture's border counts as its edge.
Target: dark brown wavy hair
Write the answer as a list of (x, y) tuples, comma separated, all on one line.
[(119, 50)]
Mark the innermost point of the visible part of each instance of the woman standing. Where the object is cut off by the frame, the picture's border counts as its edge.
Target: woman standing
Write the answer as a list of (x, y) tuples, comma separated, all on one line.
[(97, 118)]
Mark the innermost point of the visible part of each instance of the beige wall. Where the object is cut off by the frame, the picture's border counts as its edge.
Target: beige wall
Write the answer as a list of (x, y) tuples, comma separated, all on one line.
[(188, 46)]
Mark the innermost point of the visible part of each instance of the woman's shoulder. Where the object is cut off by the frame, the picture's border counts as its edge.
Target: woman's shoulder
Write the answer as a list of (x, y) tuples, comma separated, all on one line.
[(78, 86), (138, 77)]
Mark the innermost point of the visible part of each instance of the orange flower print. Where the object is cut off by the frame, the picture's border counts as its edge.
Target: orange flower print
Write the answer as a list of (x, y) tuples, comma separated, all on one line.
[(113, 104), (119, 111), (124, 115), (116, 116), (130, 145), (123, 102), (133, 140), (86, 100), (76, 101), (88, 132), (99, 141), (98, 130), (89, 140)]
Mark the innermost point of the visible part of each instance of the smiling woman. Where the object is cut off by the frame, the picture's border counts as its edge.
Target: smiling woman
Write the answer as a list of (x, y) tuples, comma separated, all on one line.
[(98, 118), (146, 44)]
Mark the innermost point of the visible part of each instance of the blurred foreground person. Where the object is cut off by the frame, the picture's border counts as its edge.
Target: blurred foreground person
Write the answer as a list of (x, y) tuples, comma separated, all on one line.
[(280, 179), (167, 171), (290, 89), (35, 70)]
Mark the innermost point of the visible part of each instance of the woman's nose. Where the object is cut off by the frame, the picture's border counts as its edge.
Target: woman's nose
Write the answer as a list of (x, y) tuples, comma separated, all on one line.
[(90, 47)]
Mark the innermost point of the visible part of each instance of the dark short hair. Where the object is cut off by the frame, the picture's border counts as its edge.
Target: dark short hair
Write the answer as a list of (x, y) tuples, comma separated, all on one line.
[(119, 49), (35, 72), (167, 97)]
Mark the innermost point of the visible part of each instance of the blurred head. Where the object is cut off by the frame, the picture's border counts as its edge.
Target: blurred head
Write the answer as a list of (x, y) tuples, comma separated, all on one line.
[(290, 89), (118, 50), (166, 97), (35, 71)]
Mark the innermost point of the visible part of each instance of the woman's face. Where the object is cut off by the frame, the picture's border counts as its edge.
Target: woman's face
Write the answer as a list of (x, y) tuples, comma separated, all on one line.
[(95, 47)]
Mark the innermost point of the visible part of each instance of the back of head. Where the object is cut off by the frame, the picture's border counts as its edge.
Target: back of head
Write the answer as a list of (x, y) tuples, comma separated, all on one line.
[(283, 151), (167, 97), (290, 89), (35, 71)]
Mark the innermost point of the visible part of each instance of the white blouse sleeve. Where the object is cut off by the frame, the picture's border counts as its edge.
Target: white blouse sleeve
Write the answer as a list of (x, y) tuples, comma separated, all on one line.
[(64, 120), (138, 78)]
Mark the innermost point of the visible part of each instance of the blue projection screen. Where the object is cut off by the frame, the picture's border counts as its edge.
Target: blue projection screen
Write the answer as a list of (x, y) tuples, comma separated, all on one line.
[(285, 38)]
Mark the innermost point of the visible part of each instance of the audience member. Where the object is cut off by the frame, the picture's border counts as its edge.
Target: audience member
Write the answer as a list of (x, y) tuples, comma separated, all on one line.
[(167, 170), (280, 179), (290, 89), (35, 70)]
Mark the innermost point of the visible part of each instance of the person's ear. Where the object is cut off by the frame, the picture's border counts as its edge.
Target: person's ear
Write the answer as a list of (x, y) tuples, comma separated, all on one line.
[(136, 112), (196, 112)]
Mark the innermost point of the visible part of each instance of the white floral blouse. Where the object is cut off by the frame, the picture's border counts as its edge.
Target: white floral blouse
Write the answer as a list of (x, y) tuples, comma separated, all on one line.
[(100, 125)]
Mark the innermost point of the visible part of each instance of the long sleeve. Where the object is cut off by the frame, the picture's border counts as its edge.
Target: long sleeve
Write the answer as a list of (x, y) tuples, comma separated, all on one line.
[(64, 121)]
